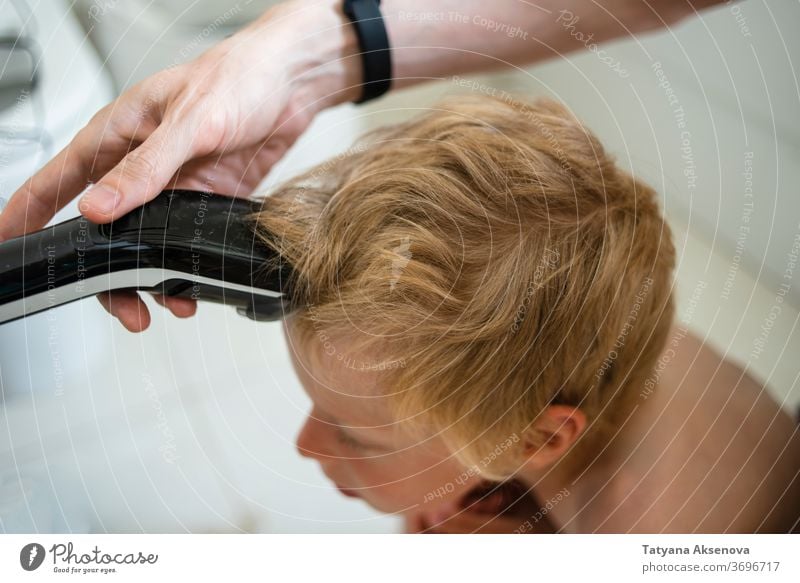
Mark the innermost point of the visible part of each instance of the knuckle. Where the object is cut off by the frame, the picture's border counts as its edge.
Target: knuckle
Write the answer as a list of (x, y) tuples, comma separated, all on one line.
[(211, 116), (100, 117), (84, 139), (139, 166)]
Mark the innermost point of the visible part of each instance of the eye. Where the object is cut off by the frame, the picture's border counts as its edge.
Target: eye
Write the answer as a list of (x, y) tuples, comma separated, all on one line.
[(348, 441)]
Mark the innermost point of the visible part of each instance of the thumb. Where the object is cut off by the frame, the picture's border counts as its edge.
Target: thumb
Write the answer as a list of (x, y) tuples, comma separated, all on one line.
[(138, 177)]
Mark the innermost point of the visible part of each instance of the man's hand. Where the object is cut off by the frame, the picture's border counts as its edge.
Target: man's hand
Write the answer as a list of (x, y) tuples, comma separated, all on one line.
[(217, 124)]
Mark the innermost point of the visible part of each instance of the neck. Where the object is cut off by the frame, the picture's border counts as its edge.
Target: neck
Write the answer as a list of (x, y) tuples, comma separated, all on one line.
[(571, 489), (559, 494)]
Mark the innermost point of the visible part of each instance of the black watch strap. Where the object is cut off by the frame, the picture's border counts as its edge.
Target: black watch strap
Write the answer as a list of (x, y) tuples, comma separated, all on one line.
[(374, 43)]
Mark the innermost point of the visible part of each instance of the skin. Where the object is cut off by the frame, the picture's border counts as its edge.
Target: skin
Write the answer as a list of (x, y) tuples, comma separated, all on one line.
[(351, 434), (707, 451), (221, 121)]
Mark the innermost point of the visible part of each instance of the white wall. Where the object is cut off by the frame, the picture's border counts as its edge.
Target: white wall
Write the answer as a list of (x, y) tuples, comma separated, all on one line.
[(41, 357)]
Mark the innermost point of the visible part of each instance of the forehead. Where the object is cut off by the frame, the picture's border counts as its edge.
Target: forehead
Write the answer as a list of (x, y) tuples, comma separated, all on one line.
[(346, 385)]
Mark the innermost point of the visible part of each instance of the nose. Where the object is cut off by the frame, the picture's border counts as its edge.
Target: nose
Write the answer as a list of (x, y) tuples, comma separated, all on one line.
[(315, 439)]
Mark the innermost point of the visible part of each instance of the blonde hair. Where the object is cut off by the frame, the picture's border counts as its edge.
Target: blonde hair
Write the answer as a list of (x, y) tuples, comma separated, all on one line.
[(494, 249)]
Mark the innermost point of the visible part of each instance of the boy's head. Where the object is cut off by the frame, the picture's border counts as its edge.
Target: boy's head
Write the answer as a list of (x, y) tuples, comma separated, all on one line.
[(482, 290)]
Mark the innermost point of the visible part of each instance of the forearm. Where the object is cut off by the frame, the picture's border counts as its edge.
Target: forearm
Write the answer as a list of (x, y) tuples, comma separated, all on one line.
[(432, 39)]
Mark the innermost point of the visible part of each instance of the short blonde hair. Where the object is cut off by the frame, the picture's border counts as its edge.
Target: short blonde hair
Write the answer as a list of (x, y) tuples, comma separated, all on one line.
[(494, 249)]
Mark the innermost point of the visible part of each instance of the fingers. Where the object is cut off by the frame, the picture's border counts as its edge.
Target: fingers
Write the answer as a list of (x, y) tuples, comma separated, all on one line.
[(139, 176), (96, 149), (51, 188), (132, 312), (127, 307), (180, 307)]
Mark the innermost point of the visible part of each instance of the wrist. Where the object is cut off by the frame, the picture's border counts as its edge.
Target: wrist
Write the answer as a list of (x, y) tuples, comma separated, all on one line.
[(323, 57)]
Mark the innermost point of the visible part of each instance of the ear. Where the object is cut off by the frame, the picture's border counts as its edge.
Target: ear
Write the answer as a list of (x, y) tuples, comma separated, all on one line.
[(551, 436)]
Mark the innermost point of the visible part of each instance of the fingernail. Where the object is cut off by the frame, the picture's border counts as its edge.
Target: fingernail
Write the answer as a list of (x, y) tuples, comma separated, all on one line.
[(100, 198)]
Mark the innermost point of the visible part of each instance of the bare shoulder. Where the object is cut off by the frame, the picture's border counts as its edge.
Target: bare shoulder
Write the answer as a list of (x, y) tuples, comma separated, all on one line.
[(711, 452)]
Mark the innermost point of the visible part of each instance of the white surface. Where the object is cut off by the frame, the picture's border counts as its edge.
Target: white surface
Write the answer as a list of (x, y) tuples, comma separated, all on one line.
[(140, 37), (38, 354), (190, 427), (738, 93)]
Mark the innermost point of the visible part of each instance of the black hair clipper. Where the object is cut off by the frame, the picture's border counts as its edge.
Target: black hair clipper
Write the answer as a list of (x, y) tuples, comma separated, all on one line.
[(182, 243)]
